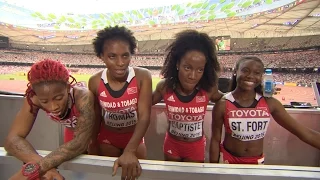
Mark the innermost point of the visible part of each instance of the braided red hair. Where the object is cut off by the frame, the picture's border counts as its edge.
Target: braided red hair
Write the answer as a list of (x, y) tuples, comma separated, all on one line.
[(46, 71)]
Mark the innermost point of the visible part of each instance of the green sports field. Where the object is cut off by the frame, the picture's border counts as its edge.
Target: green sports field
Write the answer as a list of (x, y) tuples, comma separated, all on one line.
[(79, 77)]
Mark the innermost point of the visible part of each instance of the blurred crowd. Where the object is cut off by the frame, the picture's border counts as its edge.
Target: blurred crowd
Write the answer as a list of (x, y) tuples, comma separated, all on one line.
[(293, 59), (296, 59)]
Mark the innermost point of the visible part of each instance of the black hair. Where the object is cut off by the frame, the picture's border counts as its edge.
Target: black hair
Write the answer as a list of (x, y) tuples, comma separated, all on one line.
[(184, 42), (233, 84), (114, 33)]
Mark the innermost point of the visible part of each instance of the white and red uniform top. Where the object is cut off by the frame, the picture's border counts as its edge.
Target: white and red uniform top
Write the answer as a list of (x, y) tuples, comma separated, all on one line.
[(186, 113), (119, 107), (72, 113), (247, 123)]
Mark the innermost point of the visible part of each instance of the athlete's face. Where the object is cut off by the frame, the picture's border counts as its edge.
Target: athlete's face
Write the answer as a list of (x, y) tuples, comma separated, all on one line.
[(53, 96), (116, 55), (249, 74), (190, 69)]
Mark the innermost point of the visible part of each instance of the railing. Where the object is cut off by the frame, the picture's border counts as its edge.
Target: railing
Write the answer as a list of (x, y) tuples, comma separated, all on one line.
[(280, 148), (97, 167)]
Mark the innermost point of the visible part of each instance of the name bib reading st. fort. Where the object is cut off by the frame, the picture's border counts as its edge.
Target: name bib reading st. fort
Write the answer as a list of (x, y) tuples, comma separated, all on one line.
[(249, 124), (246, 129)]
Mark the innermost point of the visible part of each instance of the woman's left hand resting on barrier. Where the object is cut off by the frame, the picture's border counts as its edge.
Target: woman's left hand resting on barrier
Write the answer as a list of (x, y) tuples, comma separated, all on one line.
[(131, 168), (129, 162)]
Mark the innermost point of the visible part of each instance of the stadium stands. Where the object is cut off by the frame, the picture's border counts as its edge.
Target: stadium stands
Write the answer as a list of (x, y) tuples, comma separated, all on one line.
[(291, 60)]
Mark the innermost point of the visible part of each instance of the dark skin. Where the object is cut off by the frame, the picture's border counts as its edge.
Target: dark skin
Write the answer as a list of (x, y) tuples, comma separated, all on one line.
[(249, 75), (191, 69), (117, 58), (52, 97)]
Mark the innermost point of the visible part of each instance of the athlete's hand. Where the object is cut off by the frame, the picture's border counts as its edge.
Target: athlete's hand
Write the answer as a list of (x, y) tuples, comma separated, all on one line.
[(131, 168), (52, 174)]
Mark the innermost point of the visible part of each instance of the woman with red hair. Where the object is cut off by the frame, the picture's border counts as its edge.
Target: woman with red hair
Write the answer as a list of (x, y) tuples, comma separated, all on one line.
[(65, 102)]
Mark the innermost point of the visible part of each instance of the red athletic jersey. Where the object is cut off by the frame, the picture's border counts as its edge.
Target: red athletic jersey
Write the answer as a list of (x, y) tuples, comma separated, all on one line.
[(70, 120), (119, 107), (186, 118), (246, 123)]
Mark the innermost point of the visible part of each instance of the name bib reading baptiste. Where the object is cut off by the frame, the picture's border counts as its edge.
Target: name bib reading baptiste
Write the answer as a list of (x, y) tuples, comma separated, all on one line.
[(248, 129), (186, 129)]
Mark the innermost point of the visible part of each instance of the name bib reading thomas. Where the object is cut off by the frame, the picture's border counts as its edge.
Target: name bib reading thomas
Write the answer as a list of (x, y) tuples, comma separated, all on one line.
[(120, 120)]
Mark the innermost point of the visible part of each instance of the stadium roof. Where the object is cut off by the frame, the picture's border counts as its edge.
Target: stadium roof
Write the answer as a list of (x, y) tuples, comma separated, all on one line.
[(31, 22)]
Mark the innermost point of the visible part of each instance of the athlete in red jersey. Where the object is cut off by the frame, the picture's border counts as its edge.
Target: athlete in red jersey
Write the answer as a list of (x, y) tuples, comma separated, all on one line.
[(124, 95), (70, 117), (190, 72), (245, 114), (120, 110), (49, 89)]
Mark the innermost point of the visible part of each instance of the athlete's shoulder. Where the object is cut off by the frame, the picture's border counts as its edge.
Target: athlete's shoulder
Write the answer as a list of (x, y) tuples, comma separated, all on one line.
[(214, 94), (161, 86), (273, 104), (80, 91), (142, 72), (220, 106), (222, 101), (94, 80), (82, 95), (96, 76)]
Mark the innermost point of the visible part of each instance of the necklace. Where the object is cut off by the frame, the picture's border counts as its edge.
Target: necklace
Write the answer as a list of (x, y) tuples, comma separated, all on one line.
[(68, 109)]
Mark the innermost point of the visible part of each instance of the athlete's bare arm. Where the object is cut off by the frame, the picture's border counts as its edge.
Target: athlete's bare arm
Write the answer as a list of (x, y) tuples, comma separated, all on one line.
[(215, 94), (16, 143), (216, 129), (84, 102), (144, 108), (93, 87), (281, 116), (158, 93)]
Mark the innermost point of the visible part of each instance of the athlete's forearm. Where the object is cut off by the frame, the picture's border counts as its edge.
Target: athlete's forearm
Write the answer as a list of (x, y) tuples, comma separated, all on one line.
[(94, 138), (64, 153), (137, 136), (82, 137), (93, 145), (96, 130), (312, 138), (214, 151), (22, 149)]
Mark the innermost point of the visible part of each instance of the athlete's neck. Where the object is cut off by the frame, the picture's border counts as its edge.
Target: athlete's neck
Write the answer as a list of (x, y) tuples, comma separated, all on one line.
[(113, 79), (243, 95), (183, 91), (65, 111)]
